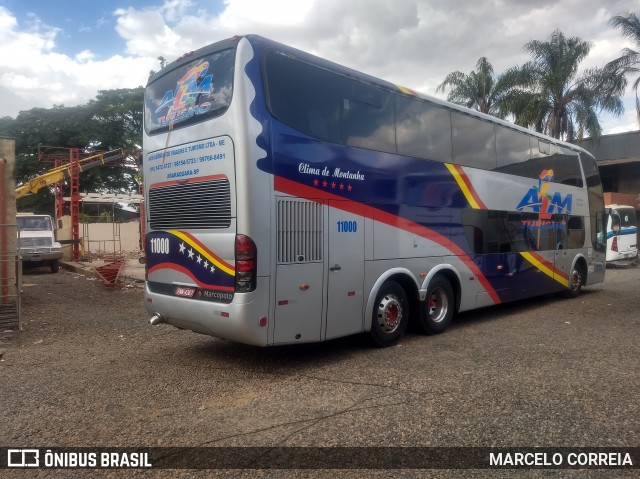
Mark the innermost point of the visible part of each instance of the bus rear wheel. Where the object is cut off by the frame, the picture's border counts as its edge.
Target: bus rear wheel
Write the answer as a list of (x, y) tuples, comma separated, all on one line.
[(436, 311), (576, 279), (390, 314)]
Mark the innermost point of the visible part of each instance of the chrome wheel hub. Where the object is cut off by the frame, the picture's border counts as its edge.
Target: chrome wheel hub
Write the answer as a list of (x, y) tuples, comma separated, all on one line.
[(576, 280), (389, 313), (437, 305)]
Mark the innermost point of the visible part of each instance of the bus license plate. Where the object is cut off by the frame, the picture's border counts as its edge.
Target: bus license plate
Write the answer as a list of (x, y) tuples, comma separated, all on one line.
[(185, 292)]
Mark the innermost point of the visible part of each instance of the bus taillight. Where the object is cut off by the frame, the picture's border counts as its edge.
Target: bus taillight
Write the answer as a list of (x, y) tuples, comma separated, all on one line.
[(614, 244), (246, 264)]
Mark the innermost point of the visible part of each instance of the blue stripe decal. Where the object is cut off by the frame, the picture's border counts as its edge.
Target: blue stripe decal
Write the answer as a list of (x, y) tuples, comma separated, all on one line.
[(625, 231)]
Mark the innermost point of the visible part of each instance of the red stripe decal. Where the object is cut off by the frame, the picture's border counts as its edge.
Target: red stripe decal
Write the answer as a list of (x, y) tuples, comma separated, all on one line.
[(469, 185), (183, 270), (188, 180), (550, 265), (293, 188)]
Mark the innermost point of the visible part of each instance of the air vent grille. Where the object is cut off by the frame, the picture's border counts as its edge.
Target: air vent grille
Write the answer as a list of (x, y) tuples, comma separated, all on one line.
[(201, 205), (300, 238)]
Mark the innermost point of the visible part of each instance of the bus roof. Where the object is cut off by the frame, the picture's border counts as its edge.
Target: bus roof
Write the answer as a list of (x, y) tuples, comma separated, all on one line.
[(268, 44)]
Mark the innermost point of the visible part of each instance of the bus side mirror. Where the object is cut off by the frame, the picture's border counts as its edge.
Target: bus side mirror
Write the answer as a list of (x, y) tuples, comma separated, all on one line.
[(60, 223)]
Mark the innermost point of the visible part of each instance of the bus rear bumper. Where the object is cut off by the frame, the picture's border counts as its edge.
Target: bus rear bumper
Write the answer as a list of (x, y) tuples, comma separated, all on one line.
[(243, 320)]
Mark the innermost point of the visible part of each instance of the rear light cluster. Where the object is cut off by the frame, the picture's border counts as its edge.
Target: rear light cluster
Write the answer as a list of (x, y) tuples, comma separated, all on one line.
[(614, 244), (246, 264)]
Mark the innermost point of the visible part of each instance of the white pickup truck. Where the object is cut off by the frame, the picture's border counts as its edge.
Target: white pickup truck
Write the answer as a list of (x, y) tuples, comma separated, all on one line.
[(38, 245)]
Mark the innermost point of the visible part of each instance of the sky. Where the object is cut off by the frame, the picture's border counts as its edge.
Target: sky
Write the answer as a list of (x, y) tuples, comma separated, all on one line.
[(62, 52)]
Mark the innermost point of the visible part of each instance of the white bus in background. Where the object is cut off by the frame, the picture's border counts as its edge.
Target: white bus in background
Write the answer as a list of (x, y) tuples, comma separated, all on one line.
[(292, 200), (622, 233)]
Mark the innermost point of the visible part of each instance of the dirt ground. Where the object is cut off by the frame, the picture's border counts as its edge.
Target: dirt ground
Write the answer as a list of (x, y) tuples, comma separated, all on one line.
[(89, 371)]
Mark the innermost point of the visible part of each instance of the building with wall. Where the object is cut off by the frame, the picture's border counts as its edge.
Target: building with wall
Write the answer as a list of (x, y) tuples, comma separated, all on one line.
[(618, 158)]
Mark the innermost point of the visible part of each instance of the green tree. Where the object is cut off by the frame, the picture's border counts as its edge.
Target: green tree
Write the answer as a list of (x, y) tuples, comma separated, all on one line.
[(629, 61), (555, 98), (116, 122), (57, 126), (117, 118), (113, 120), (479, 89)]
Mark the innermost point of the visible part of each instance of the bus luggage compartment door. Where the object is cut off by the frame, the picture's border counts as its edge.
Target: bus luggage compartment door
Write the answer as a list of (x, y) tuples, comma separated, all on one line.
[(345, 271), (299, 270), (298, 316)]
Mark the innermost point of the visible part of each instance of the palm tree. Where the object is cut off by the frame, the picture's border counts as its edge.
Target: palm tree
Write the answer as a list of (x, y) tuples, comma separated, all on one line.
[(554, 98), (629, 62), (479, 89)]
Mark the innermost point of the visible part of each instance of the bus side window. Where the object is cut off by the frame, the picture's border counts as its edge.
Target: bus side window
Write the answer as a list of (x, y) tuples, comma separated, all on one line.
[(561, 227), (511, 147), (317, 124), (369, 120), (474, 142), (576, 232), (596, 203), (423, 130), (305, 97)]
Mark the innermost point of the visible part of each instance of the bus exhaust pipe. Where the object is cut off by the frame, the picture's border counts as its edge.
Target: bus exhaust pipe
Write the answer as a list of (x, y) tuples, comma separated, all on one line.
[(156, 319)]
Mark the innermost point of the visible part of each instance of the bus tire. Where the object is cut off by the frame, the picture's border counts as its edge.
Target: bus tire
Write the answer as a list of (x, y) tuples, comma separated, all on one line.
[(55, 266), (390, 314), (436, 311), (576, 278)]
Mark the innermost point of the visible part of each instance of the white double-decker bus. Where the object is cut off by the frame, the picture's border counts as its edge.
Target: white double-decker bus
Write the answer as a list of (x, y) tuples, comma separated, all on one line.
[(290, 200), (622, 234)]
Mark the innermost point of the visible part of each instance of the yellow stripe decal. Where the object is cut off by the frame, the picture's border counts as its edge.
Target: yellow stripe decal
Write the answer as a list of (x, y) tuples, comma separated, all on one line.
[(537, 262), (406, 90), (463, 186), (227, 268), (545, 269)]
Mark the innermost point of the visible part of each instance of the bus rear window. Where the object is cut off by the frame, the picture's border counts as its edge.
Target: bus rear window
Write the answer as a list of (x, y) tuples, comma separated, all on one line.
[(192, 93), (627, 217)]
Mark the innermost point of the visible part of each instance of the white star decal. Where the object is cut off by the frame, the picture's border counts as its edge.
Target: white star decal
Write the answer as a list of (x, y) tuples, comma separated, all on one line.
[(198, 258)]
